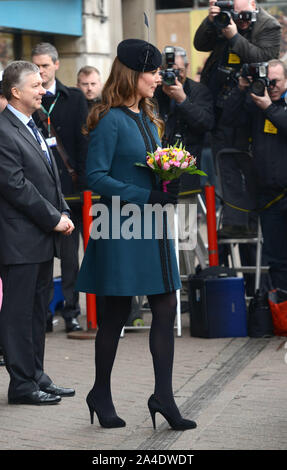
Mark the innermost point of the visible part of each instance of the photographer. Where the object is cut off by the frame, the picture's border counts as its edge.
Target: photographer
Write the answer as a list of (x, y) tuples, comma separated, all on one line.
[(187, 111), (266, 116), (251, 35)]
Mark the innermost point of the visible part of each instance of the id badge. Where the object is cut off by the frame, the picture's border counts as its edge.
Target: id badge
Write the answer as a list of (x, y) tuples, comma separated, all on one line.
[(233, 58), (269, 128), (51, 141)]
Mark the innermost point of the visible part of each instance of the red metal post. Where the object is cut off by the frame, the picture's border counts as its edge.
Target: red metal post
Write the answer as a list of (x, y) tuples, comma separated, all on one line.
[(87, 221), (211, 225)]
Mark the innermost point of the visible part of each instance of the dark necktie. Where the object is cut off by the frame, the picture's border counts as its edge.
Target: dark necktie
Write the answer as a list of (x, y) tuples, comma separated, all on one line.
[(49, 93), (34, 128)]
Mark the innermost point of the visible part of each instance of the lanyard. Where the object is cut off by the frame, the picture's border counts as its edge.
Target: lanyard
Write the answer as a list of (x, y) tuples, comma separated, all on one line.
[(48, 113)]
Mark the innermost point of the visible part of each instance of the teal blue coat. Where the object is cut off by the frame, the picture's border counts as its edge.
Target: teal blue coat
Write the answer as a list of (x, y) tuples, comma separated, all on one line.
[(113, 264)]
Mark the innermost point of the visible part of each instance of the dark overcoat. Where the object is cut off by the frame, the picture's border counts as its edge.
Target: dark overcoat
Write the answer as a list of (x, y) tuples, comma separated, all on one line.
[(118, 263), (191, 120), (31, 200), (68, 118), (263, 43)]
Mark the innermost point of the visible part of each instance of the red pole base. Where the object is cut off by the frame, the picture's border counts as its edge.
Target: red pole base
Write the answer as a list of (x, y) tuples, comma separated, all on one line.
[(87, 221), (211, 225)]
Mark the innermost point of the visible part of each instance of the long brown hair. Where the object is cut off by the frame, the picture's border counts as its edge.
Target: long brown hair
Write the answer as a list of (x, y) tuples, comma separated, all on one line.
[(118, 90)]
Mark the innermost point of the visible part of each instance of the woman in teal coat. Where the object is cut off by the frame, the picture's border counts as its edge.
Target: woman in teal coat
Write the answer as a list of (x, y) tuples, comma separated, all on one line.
[(126, 255)]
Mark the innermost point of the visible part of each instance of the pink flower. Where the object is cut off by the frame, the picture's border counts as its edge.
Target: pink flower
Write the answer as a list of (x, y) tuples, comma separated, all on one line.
[(166, 166), (180, 155), (184, 164)]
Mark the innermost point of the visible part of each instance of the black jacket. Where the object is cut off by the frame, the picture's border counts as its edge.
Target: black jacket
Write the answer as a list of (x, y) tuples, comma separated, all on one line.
[(31, 201), (189, 120), (262, 44), (269, 144), (68, 117)]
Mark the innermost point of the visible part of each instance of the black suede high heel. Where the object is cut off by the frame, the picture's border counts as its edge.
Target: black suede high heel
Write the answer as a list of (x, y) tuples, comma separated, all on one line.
[(176, 423), (105, 421)]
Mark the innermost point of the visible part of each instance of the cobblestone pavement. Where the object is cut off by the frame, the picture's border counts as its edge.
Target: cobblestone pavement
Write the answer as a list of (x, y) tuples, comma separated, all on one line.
[(235, 388)]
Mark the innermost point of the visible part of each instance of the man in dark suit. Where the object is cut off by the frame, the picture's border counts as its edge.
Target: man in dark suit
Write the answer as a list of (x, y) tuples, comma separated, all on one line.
[(67, 110), (33, 215), (3, 104)]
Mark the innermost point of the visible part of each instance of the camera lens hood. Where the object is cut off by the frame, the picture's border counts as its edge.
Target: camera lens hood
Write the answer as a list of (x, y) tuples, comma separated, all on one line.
[(222, 19)]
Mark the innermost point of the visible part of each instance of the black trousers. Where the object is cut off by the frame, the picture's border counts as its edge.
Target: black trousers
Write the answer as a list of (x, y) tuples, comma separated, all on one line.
[(23, 324), (69, 256), (274, 228)]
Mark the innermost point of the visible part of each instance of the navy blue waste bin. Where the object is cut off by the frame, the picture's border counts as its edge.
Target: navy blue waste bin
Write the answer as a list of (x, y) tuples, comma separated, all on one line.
[(217, 307)]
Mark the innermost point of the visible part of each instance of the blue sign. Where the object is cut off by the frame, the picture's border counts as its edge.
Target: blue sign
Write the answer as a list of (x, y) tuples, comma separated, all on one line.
[(49, 16)]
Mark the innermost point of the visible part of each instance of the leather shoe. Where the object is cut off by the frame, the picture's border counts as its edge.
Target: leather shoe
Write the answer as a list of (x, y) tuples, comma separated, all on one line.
[(72, 324), (60, 391), (35, 398)]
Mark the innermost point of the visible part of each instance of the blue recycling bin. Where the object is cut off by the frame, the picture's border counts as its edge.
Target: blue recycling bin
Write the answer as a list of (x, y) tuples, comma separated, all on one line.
[(217, 307), (58, 299)]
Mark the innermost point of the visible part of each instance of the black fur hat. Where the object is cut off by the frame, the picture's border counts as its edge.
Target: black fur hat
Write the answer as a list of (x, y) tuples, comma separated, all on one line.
[(139, 55)]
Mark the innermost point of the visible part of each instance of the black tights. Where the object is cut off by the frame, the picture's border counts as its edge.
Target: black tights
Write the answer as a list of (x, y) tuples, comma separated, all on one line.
[(117, 310)]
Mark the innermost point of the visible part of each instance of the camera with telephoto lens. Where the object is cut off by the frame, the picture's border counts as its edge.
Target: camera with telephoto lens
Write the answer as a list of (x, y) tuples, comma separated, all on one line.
[(223, 18), (257, 76), (169, 74)]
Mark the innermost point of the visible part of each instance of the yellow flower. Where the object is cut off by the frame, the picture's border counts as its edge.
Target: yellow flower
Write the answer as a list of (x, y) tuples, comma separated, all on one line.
[(150, 161)]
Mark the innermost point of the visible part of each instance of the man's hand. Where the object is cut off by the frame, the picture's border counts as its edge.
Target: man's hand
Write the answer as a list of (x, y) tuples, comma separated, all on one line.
[(175, 92), (262, 102), (230, 30), (243, 83), (213, 10), (65, 225)]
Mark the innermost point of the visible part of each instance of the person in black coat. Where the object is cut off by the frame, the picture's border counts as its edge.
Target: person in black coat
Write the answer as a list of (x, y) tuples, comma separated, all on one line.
[(187, 111), (242, 41), (3, 104), (32, 213), (266, 117), (67, 109)]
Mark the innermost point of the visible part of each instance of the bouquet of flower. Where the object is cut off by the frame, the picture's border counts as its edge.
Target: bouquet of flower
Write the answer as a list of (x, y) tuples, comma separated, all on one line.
[(171, 162)]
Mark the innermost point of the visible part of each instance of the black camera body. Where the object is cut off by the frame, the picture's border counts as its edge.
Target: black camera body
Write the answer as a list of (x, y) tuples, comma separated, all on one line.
[(169, 74), (223, 18), (257, 75)]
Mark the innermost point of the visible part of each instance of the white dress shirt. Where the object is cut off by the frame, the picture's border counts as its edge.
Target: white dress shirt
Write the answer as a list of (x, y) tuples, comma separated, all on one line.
[(25, 119)]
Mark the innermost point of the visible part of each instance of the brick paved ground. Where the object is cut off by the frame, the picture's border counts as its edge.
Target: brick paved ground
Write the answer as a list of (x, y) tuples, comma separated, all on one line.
[(235, 388)]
